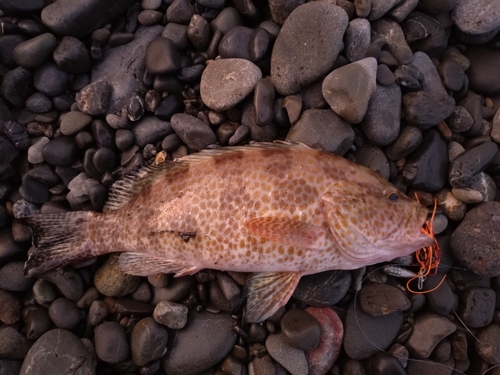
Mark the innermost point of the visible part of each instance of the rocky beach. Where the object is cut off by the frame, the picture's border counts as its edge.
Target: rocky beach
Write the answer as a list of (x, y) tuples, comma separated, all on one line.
[(92, 89)]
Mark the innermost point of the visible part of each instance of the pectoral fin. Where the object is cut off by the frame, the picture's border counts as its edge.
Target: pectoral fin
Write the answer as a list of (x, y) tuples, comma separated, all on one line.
[(140, 264), (267, 292), (286, 231)]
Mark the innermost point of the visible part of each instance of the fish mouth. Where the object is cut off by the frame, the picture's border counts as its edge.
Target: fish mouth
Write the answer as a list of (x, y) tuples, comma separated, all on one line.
[(423, 239)]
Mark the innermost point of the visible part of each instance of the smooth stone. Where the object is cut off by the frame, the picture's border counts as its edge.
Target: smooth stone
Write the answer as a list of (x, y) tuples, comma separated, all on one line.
[(180, 11), (477, 307), (37, 323), (73, 122), (263, 102), (162, 56), (495, 129), (124, 139), (17, 134), (442, 300), (294, 360), (476, 17), (394, 38), (198, 32), (13, 344), (176, 291), (428, 332), (35, 151), (381, 123), (10, 308), (122, 70), (452, 74), (214, 340), (467, 195), (424, 32), (169, 106), (357, 39), (12, 277), (72, 56), (150, 130), (98, 311), (148, 341), (408, 76), (482, 75), (103, 134), (300, 330), (365, 335), (226, 82), (381, 299), (291, 65), (427, 166), (483, 183), (385, 363), (349, 89), (408, 140), (260, 44), (8, 44), (460, 120), (281, 9), (171, 142), (111, 344), (17, 86), (85, 17), (177, 33), (316, 290), (193, 132), (426, 109), (50, 80), (323, 128), (240, 134), (35, 51), (431, 81), (65, 313), (94, 99), (112, 282), (170, 314), (149, 17), (373, 158), (465, 166), (489, 351), (235, 43), (474, 242), (60, 151), (227, 19), (57, 352), (39, 103)]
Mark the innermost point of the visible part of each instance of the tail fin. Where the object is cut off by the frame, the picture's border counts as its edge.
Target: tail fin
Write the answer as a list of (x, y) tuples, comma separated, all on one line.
[(59, 239)]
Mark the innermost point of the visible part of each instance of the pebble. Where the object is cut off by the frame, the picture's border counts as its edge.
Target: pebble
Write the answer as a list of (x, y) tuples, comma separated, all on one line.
[(170, 314), (12, 277), (467, 195), (460, 120), (111, 281), (226, 82), (148, 341), (13, 344), (193, 132), (482, 59), (72, 56), (442, 300), (465, 166), (476, 17), (381, 123), (39, 103), (365, 335), (60, 151), (427, 167), (426, 109), (394, 39), (408, 140), (257, 133), (111, 344), (162, 56), (301, 330), (477, 307), (58, 352), (451, 206), (149, 17), (150, 130), (342, 89), (385, 76), (37, 323), (98, 311), (487, 344), (65, 313), (94, 98), (292, 359), (17, 134), (50, 80), (169, 106), (235, 43), (474, 241), (73, 122), (484, 184), (292, 104), (34, 191), (17, 86), (44, 292), (357, 39), (35, 51), (10, 308), (373, 158), (104, 159), (180, 11), (381, 299), (291, 65), (323, 128), (69, 282), (177, 289), (263, 102), (198, 32), (177, 33), (214, 340)]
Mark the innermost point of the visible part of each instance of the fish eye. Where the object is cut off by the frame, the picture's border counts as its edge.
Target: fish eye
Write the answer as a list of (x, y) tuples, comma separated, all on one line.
[(392, 196)]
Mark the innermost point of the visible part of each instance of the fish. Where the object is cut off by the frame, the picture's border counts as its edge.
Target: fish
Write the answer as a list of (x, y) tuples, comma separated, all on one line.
[(278, 211)]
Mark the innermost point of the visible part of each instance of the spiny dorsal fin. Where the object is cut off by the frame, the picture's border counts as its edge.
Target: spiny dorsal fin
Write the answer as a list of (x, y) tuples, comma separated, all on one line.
[(123, 190)]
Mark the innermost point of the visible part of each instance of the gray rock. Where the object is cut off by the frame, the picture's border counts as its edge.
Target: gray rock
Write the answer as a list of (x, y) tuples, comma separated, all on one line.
[(373, 157), (300, 330), (227, 19), (301, 54), (214, 340), (465, 166), (357, 39), (476, 16), (50, 80), (74, 121), (112, 282), (382, 120), (394, 38), (192, 131), (460, 120), (322, 128), (484, 184), (226, 82), (294, 360), (408, 140), (148, 341), (403, 9), (162, 56), (39, 103), (431, 81), (10, 308), (111, 344), (58, 352), (65, 314), (488, 345), (150, 130), (450, 205), (467, 195), (35, 151), (35, 51), (123, 67), (177, 33), (429, 330), (170, 314), (13, 344), (380, 7), (281, 9), (72, 56), (85, 16), (426, 109), (69, 282), (94, 99), (323, 289), (477, 307), (381, 299), (266, 133), (12, 277), (482, 76), (475, 242)]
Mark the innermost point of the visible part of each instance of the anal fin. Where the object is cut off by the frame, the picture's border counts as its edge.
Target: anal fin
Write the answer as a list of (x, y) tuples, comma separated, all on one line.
[(267, 292), (140, 264)]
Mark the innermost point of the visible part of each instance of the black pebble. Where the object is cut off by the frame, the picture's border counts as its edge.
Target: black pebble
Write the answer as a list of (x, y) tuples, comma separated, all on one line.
[(72, 56), (37, 322), (17, 86), (171, 142), (169, 106), (124, 139), (104, 159), (104, 135), (235, 43), (34, 191), (162, 56), (60, 151), (17, 134), (98, 195), (50, 80)]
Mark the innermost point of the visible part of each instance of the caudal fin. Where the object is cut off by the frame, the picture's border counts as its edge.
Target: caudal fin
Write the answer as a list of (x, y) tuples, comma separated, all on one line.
[(59, 239)]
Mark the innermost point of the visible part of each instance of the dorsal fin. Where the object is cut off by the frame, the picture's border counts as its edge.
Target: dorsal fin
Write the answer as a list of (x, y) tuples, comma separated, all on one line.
[(123, 190)]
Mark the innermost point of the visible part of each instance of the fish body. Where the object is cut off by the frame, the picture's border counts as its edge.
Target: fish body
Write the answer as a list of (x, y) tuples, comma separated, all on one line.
[(277, 210)]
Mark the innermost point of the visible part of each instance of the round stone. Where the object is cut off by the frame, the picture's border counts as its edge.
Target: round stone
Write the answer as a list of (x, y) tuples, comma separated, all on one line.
[(60, 151), (148, 341), (323, 289), (193, 132), (476, 16), (35, 51), (111, 344), (50, 80), (150, 130), (72, 56), (426, 109), (301, 330), (226, 82), (468, 164), (94, 98), (112, 282), (65, 313), (162, 56), (74, 121), (357, 39), (292, 359), (39, 103), (408, 140), (482, 75), (171, 315), (381, 299), (488, 346), (12, 277)]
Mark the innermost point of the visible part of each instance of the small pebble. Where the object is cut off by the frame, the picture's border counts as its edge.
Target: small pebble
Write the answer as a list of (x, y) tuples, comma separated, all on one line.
[(301, 330), (111, 344)]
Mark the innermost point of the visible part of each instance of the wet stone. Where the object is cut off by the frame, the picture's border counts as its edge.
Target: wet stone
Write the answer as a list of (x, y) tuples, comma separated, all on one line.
[(94, 98), (263, 102), (442, 300), (171, 314), (294, 360), (97, 312), (385, 76), (149, 17), (478, 305), (467, 195), (235, 43), (214, 338), (394, 38), (175, 291), (177, 34), (476, 17), (464, 167), (169, 106), (112, 282), (227, 19), (111, 344), (428, 332), (385, 363), (65, 314), (257, 133), (69, 282), (452, 74), (381, 299), (60, 151), (193, 132), (301, 330), (17, 86), (291, 66), (72, 56), (460, 120), (482, 76), (35, 51), (451, 206), (180, 11), (50, 80), (38, 103), (373, 158), (322, 127)]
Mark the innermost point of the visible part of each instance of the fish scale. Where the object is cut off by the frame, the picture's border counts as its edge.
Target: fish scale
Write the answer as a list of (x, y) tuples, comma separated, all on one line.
[(278, 210)]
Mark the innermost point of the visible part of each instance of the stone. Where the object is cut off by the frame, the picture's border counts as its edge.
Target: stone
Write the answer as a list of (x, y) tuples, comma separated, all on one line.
[(94, 98), (394, 38), (111, 344), (179, 11), (12, 277), (72, 56), (257, 133), (451, 206), (322, 128), (60, 151), (68, 282), (50, 80), (477, 307), (193, 132), (17, 86), (476, 17), (482, 75), (13, 344), (35, 51), (226, 82), (300, 330), (227, 19), (357, 39), (291, 64), (39, 103), (381, 299), (468, 164), (487, 345), (73, 122), (170, 314), (294, 360), (10, 308), (425, 109), (235, 43), (177, 33), (148, 341), (112, 282), (198, 32), (349, 89), (35, 151), (263, 102), (460, 120), (150, 130), (474, 243), (65, 313), (162, 56), (408, 140)]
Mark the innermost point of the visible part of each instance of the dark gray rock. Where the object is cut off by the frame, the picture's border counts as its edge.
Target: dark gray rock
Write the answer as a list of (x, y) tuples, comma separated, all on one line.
[(426, 109), (180, 11), (214, 339), (323, 289), (177, 33), (58, 352), (294, 360), (69, 282), (17, 134), (381, 299), (13, 344), (34, 52), (442, 300), (263, 102), (489, 351), (394, 38), (150, 130), (429, 79), (281, 9), (148, 341), (72, 56), (257, 133), (10, 308), (408, 140), (373, 157), (65, 313), (300, 330), (111, 344), (460, 120), (385, 363), (60, 151), (39, 103), (227, 19), (94, 99), (37, 322), (464, 167), (475, 242), (380, 7), (110, 280), (162, 56), (235, 43), (17, 86), (357, 39), (477, 307), (193, 132), (198, 32), (73, 122), (291, 64), (50, 80), (483, 77)]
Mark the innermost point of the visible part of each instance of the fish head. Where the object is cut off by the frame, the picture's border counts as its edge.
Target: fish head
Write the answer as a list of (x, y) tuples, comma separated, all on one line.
[(374, 222)]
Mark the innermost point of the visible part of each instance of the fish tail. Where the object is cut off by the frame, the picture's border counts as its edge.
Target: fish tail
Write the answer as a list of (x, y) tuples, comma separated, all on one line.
[(59, 239)]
